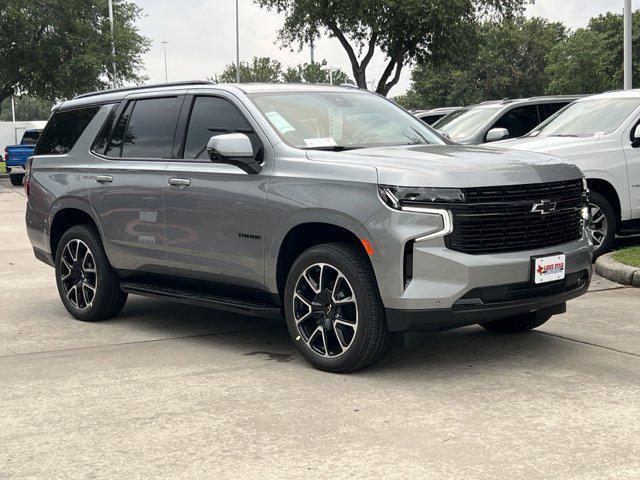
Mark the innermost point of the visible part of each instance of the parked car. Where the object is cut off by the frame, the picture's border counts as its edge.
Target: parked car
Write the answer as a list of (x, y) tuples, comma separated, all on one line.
[(328, 204), (431, 116), (499, 120), (15, 156), (601, 135)]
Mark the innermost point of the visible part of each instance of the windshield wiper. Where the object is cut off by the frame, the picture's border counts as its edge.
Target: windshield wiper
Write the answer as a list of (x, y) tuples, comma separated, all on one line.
[(332, 148)]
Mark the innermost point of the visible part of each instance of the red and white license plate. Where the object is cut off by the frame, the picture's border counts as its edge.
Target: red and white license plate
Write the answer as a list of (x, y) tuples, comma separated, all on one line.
[(549, 269)]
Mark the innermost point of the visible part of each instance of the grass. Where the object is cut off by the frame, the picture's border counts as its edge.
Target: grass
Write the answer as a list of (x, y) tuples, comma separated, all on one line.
[(629, 256)]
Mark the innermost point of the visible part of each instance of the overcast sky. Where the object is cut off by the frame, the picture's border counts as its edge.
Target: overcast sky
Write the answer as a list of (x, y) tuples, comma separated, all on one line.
[(201, 36)]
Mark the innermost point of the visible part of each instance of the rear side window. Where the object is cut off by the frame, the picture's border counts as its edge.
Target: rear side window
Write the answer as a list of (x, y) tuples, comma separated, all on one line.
[(212, 116), (64, 129), (548, 109), (30, 137), (146, 129)]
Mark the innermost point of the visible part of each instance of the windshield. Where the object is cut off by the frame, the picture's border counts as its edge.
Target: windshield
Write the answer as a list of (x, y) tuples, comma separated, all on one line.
[(464, 123), (587, 118), (341, 120)]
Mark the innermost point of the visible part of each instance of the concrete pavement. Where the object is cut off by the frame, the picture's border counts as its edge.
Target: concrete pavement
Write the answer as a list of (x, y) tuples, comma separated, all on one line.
[(172, 391)]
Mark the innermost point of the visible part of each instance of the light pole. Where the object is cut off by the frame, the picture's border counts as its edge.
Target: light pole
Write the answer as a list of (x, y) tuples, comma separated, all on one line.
[(166, 75), (237, 44), (113, 47), (628, 59), (330, 69)]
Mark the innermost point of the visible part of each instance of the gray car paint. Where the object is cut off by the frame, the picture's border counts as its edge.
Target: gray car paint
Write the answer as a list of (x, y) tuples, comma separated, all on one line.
[(295, 187)]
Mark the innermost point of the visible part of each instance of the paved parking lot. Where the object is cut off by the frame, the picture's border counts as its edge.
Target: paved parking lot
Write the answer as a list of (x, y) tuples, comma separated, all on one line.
[(170, 391)]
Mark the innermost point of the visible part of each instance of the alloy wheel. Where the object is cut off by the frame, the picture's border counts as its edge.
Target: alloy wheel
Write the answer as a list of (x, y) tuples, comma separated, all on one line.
[(325, 310), (597, 225), (78, 274)]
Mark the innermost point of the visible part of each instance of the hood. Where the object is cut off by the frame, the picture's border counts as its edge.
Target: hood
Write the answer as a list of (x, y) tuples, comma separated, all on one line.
[(544, 144), (453, 166)]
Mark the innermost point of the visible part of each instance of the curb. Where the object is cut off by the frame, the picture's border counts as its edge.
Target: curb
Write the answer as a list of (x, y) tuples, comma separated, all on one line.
[(611, 269)]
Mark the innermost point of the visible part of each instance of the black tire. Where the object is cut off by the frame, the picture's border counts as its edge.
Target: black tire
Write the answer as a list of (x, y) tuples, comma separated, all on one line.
[(369, 341), (518, 324), (601, 205), (108, 299), (16, 179)]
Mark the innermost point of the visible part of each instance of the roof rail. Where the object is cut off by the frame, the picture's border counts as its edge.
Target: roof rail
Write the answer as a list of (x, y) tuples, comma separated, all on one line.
[(145, 87)]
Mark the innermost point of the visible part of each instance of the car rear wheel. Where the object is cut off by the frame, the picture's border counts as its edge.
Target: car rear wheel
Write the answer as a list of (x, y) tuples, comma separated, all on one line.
[(602, 225), (16, 179), (87, 284), (517, 324), (333, 309)]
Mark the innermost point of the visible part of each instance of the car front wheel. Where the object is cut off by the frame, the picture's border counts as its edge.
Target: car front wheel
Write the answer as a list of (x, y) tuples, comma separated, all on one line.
[(16, 179), (602, 225), (333, 309)]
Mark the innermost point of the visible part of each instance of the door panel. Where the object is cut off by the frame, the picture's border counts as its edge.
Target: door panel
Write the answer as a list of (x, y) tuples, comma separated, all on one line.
[(215, 212), (215, 225)]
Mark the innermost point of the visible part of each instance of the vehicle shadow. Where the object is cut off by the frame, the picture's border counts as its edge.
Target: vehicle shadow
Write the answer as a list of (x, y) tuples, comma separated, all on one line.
[(452, 353)]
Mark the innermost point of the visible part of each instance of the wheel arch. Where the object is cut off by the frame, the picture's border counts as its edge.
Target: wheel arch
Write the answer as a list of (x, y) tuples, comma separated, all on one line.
[(607, 190), (68, 214), (304, 236)]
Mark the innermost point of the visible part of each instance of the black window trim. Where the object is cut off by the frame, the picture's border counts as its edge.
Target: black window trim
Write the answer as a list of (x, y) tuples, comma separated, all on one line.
[(184, 120), (124, 104)]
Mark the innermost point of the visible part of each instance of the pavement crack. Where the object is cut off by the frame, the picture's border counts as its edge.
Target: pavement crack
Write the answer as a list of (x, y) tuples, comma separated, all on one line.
[(89, 347), (583, 342)]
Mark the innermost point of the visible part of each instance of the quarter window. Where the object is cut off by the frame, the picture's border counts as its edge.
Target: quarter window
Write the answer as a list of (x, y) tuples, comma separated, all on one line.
[(212, 116), (64, 129)]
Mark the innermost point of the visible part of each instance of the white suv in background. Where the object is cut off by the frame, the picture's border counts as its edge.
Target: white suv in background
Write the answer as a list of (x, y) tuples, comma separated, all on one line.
[(601, 135)]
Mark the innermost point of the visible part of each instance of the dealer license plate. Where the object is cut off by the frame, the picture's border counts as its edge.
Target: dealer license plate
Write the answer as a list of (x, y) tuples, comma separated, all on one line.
[(549, 269)]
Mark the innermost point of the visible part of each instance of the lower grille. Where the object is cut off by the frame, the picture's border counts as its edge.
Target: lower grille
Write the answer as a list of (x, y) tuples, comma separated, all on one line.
[(500, 219)]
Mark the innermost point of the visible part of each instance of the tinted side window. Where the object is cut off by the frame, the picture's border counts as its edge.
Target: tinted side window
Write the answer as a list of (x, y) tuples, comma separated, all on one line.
[(100, 142), (30, 137), (211, 116), (115, 145), (64, 129), (149, 129), (519, 121), (548, 109)]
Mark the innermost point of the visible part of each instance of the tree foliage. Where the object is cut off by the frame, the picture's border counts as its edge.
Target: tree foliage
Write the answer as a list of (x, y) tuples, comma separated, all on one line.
[(267, 70), (508, 59), (404, 30), (56, 49), (591, 60), (27, 108)]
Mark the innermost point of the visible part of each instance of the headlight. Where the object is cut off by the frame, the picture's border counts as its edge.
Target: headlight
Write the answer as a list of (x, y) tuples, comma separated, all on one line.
[(425, 200), (399, 197)]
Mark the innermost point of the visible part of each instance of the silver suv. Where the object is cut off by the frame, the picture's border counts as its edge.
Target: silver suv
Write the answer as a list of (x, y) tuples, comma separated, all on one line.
[(329, 205)]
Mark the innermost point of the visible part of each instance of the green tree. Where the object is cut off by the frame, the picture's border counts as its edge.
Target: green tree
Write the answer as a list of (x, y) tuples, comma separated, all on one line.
[(56, 49), (27, 108), (259, 69), (405, 30), (591, 60), (507, 59), (313, 73)]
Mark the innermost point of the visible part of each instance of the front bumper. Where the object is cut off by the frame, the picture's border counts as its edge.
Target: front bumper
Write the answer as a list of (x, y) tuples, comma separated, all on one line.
[(440, 293), (15, 169)]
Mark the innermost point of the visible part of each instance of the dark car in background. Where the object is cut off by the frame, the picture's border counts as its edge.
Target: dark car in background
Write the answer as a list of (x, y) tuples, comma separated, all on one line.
[(498, 120), (431, 116)]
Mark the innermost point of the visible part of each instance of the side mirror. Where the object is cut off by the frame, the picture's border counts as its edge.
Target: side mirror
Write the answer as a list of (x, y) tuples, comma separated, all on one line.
[(635, 141), (496, 134), (234, 149)]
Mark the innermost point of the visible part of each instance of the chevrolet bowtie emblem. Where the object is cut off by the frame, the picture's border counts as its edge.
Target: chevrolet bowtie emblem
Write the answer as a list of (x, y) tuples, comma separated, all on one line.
[(544, 206)]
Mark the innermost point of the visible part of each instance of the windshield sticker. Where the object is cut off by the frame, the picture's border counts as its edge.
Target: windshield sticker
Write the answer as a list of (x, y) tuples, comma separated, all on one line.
[(320, 142), (280, 122)]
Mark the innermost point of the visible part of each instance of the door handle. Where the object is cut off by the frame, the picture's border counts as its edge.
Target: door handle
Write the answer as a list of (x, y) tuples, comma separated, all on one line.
[(104, 179), (179, 182)]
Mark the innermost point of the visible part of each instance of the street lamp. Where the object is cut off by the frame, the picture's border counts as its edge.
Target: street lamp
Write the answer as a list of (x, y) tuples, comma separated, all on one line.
[(113, 47), (237, 45), (166, 75), (628, 59)]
